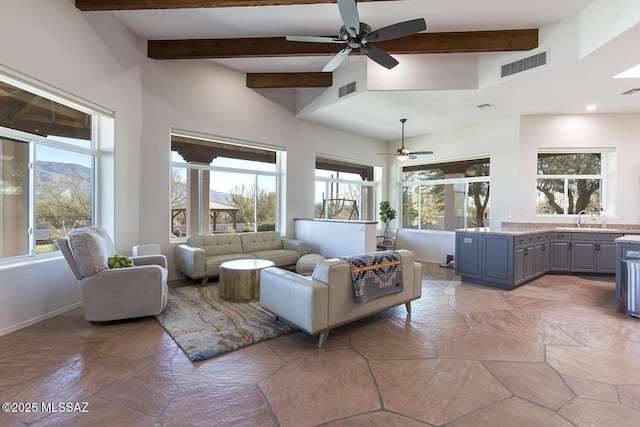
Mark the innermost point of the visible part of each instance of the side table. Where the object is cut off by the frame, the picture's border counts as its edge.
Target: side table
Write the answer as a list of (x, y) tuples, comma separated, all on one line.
[(240, 279)]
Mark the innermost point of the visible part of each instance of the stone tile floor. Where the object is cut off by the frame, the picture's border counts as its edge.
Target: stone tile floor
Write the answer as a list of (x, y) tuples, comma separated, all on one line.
[(555, 352)]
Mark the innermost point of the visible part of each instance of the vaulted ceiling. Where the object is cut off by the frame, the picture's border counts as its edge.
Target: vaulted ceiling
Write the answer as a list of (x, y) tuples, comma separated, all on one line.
[(250, 36)]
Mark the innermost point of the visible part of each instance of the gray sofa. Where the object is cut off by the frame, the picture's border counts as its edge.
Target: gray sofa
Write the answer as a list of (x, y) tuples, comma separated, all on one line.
[(318, 303), (200, 257)]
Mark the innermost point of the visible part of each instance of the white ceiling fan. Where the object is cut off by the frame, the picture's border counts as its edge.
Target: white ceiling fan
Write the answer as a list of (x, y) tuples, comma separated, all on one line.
[(357, 34), (403, 153)]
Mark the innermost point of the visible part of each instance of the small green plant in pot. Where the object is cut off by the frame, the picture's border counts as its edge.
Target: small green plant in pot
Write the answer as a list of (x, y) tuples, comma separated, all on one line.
[(387, 214)]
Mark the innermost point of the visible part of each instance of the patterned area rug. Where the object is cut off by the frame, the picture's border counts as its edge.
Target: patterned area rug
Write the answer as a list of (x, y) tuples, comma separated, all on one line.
[(205, 326)]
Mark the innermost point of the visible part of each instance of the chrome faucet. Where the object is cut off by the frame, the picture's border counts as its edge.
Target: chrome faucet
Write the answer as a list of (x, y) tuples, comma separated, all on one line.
[(580, 217)]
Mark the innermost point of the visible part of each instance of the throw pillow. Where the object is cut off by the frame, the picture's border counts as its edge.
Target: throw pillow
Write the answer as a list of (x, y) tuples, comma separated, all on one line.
[(120, 261)]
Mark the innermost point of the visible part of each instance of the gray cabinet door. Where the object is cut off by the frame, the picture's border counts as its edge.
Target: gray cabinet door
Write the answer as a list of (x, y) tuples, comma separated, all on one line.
[(583, 257), (497, 262), (468, 255), (519, 265), (525, 264), (529, 262), (606, 258), (542, 258), (560, 257)]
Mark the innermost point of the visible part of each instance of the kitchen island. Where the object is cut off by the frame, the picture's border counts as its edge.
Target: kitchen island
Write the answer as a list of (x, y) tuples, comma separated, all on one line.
[(508, 257), (627, 249)]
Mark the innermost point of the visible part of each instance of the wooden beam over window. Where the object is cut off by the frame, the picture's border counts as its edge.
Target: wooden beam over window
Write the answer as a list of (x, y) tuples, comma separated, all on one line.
[(288, 80), (422, 43), (204, 152), (101, 5)]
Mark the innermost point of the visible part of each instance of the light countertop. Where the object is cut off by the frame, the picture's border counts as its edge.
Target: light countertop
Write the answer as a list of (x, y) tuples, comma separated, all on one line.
[(631, 238), (520, 231)]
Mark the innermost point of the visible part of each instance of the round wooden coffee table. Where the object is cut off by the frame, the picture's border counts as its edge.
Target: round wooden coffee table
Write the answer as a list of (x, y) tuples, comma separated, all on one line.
[(240, 279)]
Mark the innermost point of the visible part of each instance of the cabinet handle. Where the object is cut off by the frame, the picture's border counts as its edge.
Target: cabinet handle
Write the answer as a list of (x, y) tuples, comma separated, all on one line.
[(544, 248), (569, 246), (526, 252)]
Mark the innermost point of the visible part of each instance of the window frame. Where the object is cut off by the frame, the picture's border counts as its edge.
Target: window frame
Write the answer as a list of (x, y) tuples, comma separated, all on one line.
[(100, 147), (440, 181), (605, 154), (327, 181), (277, 175), (34, 141)]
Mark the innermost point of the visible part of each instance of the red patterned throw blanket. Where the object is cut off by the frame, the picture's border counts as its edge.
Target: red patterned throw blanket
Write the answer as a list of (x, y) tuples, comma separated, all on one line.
[(375, 274)]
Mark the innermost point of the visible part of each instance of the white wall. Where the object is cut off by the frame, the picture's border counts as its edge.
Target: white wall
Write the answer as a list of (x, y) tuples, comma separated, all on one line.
[(496, 140), (593, 131), (97, 59), (513, 147), (94, 57), (208, 98)]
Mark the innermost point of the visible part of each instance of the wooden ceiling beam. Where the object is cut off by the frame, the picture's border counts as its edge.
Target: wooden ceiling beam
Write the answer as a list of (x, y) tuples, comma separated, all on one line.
[(289, 80), (102, 5), (422, 43)]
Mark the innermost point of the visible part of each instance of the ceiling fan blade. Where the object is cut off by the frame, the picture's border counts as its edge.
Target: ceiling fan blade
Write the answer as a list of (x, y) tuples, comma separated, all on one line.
[(350, 17), (395, 31), (379, 56), (313, 39), (413, 156), (422, 152), (337, 60)]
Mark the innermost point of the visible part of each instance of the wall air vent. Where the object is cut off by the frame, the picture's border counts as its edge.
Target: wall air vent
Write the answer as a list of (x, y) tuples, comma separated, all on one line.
[(347, 89), (524, 64)]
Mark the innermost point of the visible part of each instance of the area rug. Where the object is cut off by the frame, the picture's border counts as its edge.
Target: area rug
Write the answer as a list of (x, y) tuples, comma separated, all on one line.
[(205, 326)]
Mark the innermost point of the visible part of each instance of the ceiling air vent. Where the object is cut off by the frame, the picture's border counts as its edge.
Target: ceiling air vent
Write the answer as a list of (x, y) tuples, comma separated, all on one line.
[(524, 64), (631, 91), (347, 89)]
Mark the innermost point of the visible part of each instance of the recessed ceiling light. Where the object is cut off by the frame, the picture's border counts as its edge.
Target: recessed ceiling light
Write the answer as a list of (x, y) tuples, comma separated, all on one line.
[(591, 107), (631, 73)]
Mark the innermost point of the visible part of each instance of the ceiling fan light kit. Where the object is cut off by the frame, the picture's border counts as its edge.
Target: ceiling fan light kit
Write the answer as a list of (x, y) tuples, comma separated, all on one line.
[(403, 153), (357, 35)]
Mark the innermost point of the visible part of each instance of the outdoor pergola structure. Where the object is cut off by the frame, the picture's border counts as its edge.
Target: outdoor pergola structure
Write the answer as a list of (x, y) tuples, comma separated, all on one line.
[(215, 209)]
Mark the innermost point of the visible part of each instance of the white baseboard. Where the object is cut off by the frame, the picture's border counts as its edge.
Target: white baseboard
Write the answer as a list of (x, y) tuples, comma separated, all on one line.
[(35, 320)]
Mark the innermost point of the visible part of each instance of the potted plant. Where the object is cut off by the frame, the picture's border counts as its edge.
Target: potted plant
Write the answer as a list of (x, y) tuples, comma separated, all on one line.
[(387, 214)]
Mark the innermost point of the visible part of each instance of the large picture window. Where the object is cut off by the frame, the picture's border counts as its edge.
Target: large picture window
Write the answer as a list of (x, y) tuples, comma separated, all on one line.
[(344, 190), (219, 187), (446, 196), (569, 183), (47, 170)]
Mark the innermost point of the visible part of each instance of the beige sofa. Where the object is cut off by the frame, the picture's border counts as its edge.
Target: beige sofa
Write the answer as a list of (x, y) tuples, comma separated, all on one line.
[(318, 303), (200, 257)]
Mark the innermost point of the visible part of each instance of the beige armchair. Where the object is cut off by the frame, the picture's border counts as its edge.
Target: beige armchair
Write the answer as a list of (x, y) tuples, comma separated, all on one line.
[(114, 294)]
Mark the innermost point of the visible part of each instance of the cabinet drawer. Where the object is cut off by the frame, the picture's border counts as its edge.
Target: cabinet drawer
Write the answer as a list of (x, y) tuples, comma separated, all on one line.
[(628, 253), (530, 239), (525, 240), (560, 236), (542, 237)]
